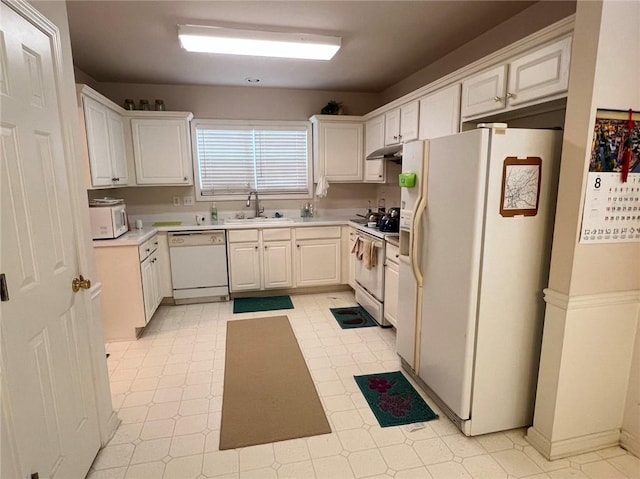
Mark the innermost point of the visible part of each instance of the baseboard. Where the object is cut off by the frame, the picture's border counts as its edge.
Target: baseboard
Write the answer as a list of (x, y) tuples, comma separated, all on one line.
[(630, 442), (573, 446), (277, 292)]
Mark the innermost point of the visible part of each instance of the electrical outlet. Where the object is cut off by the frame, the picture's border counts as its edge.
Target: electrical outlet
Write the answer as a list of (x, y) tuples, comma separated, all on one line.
[(187, 200), (176, 201)]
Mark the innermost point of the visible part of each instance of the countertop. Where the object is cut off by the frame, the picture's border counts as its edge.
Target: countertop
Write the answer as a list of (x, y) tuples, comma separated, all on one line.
[(137, 237)]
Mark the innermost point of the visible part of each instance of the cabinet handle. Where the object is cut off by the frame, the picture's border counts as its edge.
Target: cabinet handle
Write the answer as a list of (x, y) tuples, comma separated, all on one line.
[(297, 246), (256, 248), (265, 247), (510, 95), (497, 98), (115, 179), (379, 176), (185, 178)]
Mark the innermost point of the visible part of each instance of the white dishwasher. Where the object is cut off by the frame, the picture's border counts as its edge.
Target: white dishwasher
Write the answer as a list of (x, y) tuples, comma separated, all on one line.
[(199, 266)]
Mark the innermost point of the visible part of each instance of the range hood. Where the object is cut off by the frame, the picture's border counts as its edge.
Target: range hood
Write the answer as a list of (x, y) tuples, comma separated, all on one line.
[(393, 153)]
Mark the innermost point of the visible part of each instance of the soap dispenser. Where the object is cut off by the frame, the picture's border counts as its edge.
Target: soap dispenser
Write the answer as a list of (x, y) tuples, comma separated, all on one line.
[(214, 214)]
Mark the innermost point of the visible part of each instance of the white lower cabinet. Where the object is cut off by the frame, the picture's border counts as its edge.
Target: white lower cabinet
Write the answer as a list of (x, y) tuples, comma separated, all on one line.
[(150, 285), (391, 283), (244, 266), (131, 287), (267, 259), (276, 261), (260, 259), (318, 256)]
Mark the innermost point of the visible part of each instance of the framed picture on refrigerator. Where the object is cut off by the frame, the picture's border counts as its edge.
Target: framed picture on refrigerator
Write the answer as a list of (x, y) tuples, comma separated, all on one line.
[(520, 186)]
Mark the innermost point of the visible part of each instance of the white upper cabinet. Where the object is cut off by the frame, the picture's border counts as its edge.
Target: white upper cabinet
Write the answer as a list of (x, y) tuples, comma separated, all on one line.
[(539, 75), (162, 148), (374, 170), (440, 113), (338, 148), (484, 92), (401, 124), (104, 130)]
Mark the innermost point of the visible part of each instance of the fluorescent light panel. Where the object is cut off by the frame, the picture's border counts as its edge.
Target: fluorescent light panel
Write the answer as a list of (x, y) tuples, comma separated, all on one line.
[(229, 41)]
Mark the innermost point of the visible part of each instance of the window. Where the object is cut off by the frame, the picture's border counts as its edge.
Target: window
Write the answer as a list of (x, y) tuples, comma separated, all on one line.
[(232, 158)]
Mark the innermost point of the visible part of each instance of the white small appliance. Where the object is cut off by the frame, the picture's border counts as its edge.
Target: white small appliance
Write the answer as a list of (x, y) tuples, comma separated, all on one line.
[(108, 218), (476, 253)]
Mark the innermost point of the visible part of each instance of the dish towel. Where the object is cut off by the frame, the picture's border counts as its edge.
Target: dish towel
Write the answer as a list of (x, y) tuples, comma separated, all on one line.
[(357, 248), (369, 256), (322, 187)]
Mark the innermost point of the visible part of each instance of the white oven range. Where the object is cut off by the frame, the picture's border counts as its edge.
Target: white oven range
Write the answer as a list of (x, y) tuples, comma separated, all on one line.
[(369, 283)]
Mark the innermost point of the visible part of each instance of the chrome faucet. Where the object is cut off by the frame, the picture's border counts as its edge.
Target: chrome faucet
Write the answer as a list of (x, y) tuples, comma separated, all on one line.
[(259, 210)]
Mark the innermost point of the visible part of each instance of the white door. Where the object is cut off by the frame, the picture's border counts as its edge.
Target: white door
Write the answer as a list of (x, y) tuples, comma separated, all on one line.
[(244, 266), (484, 92), (96, 118), (450, 263), (276, 262), (148, 287), (49, 423), (119, 157), (541, 73), (341, 147), (318, 262), (440, 113), (161, 150), (391, 292), (409, 121), (374, 170), (392, 127)]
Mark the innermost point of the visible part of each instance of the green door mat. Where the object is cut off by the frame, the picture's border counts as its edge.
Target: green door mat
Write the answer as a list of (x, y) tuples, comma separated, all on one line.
[(271, 303), (353, 317), (393, 399)]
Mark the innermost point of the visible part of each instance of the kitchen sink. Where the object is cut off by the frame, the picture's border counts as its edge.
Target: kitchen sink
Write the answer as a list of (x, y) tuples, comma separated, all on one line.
[(257, 220)]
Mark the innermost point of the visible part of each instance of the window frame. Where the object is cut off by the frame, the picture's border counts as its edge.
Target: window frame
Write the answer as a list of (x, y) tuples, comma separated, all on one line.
[(247, 124)]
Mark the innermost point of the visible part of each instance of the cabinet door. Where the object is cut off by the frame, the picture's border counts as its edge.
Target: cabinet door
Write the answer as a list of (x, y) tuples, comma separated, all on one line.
[(149, 285), (276, 262), (409, 121), (244, 267), (119, 156), (352, 259), (440, 113), (317, 262), (162, 152), (374, 170), (155, 260), (540, 74), (392, 127), (391, 292), (96, 120), (484, 92), (340, 150)]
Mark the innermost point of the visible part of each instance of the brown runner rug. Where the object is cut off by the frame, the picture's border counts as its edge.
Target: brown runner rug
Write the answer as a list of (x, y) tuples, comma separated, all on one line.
[(268, 392)]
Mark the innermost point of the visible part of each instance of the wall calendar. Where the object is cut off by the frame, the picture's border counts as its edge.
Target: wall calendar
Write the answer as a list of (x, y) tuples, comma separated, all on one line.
[(611, 212)]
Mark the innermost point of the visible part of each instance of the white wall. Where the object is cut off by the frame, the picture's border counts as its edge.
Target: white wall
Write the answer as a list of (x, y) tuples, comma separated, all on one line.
[(585, 389)]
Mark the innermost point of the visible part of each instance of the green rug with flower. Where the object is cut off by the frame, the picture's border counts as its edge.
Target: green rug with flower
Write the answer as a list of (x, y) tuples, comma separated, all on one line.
[(393, 400)]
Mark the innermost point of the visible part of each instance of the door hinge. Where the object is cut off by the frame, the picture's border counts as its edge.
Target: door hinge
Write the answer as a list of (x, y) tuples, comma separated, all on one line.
[(4, 289)]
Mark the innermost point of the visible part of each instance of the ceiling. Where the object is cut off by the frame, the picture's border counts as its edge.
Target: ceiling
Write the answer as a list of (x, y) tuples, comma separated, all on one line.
[(382, 41)]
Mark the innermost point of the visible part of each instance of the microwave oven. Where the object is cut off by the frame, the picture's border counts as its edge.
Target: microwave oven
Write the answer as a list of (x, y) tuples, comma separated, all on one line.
[(108, 222)]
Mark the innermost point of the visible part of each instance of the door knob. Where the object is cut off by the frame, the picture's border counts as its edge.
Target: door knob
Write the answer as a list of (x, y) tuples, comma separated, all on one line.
[(80, 283)]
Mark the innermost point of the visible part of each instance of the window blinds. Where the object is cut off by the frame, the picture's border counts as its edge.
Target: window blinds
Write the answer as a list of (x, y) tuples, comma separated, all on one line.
[(240, 158)]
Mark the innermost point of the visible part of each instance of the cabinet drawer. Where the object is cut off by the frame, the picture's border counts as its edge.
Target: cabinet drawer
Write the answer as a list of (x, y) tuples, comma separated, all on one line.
[(276, 234), (392, 252), (242, 236), (148, 247), (318, 232)]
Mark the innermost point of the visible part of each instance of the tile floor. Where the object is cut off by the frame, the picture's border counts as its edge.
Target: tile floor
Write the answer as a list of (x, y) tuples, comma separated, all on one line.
[(167, 389)]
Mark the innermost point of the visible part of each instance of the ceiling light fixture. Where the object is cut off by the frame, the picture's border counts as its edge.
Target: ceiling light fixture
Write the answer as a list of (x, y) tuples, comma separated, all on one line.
[(208, 39)]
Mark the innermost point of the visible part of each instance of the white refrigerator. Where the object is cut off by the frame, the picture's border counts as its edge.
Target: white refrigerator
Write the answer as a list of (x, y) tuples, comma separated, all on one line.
[(478, 252)]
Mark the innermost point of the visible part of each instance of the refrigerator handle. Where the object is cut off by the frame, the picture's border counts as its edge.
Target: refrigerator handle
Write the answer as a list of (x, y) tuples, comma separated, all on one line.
[(416, 221)]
